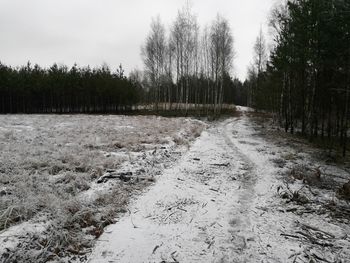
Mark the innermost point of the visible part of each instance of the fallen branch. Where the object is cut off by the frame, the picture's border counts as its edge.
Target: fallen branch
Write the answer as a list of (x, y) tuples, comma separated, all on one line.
[(173, 257), (317, 230), (314, 240), (132, 222), (210, 244), (319, 258), (123, 176), (290, 235), (220, 164), (294, 255), (170, 215), (156, 247)]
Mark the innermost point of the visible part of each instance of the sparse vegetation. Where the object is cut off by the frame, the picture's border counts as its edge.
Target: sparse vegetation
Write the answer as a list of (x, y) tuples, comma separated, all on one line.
[(49, 167)]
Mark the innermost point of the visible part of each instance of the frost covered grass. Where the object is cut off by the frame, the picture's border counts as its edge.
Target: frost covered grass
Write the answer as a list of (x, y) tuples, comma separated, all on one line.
[(315, 188), (49, 165)]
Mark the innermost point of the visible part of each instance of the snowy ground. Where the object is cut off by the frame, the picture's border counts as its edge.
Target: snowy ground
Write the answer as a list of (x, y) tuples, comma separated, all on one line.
[(233, 198), (51, 204)]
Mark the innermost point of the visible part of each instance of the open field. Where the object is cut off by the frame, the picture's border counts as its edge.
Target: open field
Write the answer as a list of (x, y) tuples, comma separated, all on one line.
[(52, 202)]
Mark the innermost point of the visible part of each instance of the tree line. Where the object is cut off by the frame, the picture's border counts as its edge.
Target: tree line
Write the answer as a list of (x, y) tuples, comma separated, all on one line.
[(59, 89), (185, 69), (306, 80), (189, 66)]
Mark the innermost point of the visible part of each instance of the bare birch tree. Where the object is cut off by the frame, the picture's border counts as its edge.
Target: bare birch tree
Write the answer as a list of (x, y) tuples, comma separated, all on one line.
[(222, 54), (154, 56), (258, 66), (189, 67), (184, 37), (260, 53)]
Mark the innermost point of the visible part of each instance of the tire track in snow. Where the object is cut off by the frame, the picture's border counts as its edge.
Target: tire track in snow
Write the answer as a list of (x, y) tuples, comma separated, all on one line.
[(243, 223), (262, 226)]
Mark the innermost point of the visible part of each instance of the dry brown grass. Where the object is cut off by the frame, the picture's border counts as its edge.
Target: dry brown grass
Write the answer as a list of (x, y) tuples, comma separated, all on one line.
[(48, 163)]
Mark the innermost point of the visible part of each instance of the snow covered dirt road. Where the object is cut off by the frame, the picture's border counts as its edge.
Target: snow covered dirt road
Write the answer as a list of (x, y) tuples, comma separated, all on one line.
[(216, 204)]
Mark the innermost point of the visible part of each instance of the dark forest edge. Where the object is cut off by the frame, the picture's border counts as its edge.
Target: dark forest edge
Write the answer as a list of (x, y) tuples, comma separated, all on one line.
[(305, 81), (58, 89), (61, 90)]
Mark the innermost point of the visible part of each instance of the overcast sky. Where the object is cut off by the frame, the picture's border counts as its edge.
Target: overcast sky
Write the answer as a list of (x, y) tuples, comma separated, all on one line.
[(112, 31)]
